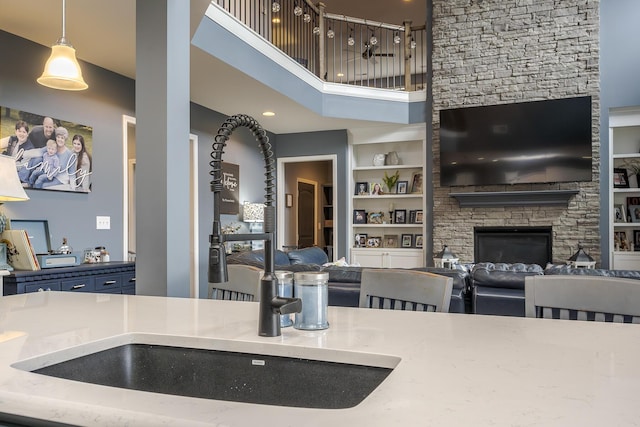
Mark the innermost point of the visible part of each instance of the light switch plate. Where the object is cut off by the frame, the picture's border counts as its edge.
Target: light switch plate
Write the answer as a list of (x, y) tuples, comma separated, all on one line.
[(103, 223)]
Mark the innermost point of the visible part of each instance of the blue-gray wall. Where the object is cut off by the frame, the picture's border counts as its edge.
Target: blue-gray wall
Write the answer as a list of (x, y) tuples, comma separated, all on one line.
[(109, 96), (322, 143), (619, 84)]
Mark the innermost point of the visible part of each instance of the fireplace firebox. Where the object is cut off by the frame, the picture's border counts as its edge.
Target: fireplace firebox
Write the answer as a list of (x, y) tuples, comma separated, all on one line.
[(529, 245)]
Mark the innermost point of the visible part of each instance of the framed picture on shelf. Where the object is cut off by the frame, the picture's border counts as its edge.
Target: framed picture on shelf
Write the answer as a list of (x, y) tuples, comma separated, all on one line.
[(620, 241), (390, 240), (401, 187), (416, 182), (362, 189), (400, 216), (412, 216), (406, 241), (620, 178), (373, 242), (636, 240), (360, 240), (375, 218), (620, 213), (375, 188), (631, 214), (359, 216), (418, 241), (418, 216)]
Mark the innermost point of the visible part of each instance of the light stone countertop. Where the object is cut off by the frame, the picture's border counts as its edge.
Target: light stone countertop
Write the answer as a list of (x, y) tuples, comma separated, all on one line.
[(455, 369)]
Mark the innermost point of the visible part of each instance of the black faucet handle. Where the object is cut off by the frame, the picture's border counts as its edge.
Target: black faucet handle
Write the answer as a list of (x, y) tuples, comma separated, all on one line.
[(282, 305)]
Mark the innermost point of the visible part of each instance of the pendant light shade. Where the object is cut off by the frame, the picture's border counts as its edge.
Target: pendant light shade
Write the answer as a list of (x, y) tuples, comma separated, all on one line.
[(62, 70)]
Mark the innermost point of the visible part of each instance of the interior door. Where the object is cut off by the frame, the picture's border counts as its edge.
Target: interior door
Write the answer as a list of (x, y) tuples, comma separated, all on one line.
[(306, 214)]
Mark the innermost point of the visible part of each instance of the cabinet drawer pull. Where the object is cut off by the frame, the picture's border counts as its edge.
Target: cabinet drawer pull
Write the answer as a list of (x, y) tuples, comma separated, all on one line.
[(132, 280), (109, 282), (80, 286)]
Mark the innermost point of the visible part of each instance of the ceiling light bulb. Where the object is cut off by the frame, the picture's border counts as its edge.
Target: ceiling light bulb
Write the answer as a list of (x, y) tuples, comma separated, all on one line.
[(331, 34), (351, 41), (275, 7), (306, 18), (268, 114), (297, 10), (373, 40)]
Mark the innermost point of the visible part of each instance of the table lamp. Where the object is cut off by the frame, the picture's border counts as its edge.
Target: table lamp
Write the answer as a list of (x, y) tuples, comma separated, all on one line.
[(253, 213), (10, 191)]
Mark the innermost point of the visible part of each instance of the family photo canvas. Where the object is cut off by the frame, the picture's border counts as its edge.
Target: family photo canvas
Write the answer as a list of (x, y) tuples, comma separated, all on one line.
[(50, 153)]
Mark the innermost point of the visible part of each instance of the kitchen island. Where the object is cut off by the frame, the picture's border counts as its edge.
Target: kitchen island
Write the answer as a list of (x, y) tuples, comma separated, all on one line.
[(454, 369)]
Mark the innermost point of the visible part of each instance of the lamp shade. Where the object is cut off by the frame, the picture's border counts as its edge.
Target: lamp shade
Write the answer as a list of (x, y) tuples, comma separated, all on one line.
[(253, 212), (10, 187), (62, 70)]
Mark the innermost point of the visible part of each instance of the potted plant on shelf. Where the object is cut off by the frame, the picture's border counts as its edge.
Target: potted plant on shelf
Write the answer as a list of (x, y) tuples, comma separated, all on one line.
[(390, 181)]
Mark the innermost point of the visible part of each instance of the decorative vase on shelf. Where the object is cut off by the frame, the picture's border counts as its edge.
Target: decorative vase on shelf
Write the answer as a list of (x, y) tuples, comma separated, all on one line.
[(392, 158), (379, 159)]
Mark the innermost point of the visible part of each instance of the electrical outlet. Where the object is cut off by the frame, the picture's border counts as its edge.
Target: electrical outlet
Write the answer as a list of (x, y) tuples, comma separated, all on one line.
[(103, 223)]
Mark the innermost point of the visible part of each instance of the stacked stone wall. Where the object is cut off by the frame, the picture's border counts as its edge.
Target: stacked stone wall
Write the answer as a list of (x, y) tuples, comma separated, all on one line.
[(488, 52)]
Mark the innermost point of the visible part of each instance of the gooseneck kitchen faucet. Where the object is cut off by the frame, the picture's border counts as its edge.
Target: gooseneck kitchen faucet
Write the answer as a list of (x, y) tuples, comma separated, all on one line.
[(271, 305)]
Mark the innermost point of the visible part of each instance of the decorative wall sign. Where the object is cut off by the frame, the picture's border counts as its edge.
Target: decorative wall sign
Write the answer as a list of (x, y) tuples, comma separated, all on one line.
[(230, 194), (50, 153)]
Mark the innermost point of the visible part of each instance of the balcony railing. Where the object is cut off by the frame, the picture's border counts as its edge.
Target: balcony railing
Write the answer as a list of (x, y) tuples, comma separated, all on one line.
[(339, 48)]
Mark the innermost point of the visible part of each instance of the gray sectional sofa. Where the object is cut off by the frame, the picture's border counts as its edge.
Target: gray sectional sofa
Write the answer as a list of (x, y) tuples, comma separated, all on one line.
[(483, 288), (344, 282)]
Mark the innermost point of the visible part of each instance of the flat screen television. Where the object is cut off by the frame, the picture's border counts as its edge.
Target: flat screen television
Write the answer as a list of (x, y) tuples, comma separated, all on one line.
[(520, 143)]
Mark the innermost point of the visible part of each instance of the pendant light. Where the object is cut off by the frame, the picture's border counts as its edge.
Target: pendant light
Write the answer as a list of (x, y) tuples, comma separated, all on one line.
[(62, 70)]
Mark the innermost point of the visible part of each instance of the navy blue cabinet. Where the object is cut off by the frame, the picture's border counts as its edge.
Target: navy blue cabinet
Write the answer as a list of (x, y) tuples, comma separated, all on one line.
[(106, 277)]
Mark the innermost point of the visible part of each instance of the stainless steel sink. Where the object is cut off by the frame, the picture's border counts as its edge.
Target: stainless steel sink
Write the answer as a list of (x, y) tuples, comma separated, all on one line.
[(210, 373)]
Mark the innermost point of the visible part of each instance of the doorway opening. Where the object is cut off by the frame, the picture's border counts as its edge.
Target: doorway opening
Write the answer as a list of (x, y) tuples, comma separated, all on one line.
[(317, 170)]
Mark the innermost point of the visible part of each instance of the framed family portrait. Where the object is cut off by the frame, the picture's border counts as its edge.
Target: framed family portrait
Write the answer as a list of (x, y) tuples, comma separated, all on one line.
[(401, 187), (418, 241), (359, 216), (620, 213), (400, 216), (416, 182), (375, 188), (620, 178), (391, 241), (362, 189), (406, 241), (51, 153), (373, 242), (375, 218), (633, 204), (360, 240), (415, 216)]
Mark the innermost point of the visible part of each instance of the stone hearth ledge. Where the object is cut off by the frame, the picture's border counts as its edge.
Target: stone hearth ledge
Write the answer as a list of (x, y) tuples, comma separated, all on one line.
[(454, 369)]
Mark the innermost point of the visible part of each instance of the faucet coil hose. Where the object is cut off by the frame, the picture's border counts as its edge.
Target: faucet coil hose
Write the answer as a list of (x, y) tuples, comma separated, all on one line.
[(220, 142)]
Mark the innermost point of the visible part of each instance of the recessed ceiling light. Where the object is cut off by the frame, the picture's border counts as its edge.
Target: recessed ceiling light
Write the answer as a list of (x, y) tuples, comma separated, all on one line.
[(276, 20), (268, 114), (340, 74)]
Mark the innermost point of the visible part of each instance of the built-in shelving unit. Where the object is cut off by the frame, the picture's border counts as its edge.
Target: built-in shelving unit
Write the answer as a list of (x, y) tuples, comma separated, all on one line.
[(624, 224), (387, 230), (327, 220)]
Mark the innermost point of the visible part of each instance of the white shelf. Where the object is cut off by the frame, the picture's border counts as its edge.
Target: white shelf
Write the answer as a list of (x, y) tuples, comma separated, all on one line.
[(386, 167), (393, 225), (409, 142), (624, 145), (396, 196)]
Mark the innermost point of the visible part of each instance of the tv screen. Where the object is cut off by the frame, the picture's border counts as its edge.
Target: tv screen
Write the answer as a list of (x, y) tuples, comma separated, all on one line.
[(531, 142)]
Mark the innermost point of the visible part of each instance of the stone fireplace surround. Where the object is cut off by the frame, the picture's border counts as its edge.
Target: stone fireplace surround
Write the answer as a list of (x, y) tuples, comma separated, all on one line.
[(504, 51)]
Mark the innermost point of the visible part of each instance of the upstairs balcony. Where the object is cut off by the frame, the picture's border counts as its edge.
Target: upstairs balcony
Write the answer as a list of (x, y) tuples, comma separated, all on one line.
[(337, 48)]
